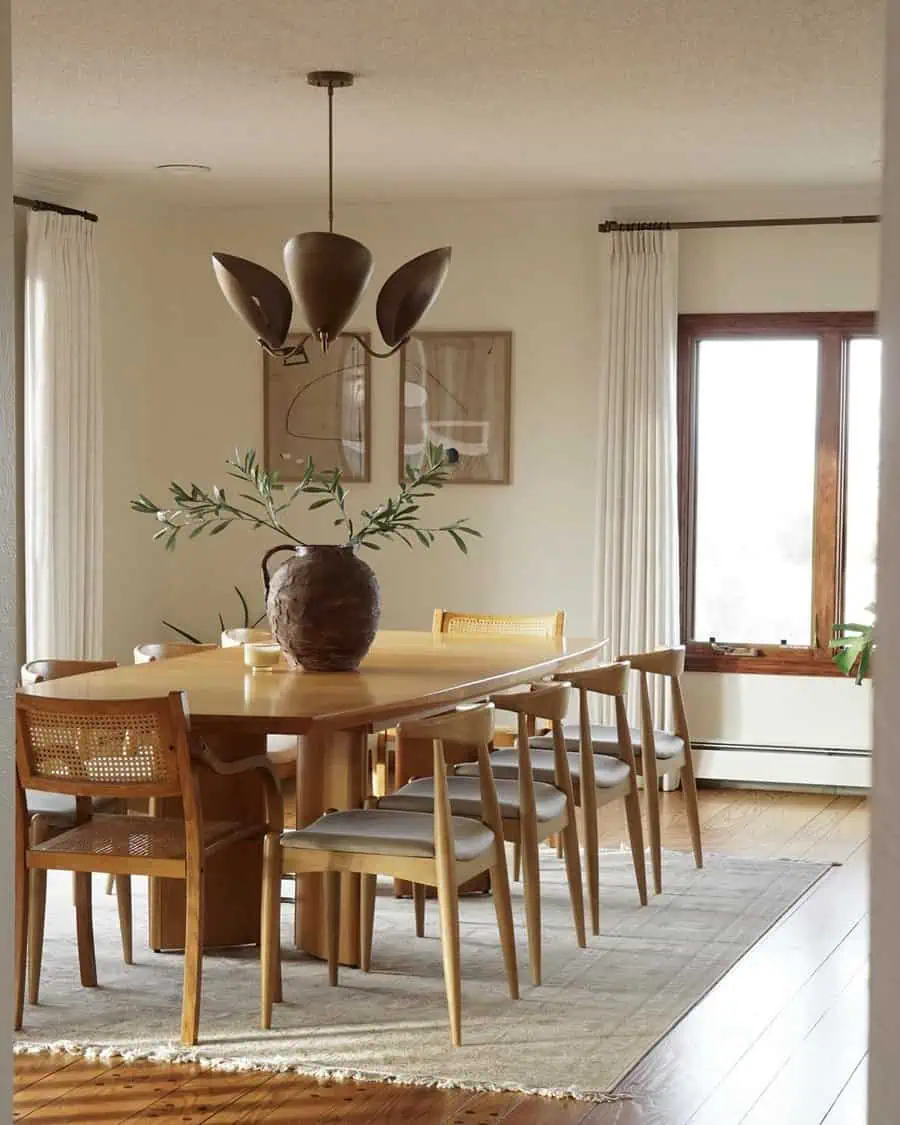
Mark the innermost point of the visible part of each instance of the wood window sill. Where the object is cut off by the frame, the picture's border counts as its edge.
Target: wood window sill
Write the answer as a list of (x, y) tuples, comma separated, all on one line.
[(771, 661)]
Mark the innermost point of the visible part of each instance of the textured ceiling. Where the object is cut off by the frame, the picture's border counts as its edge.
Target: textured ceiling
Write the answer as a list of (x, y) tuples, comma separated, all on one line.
[(456, 97)]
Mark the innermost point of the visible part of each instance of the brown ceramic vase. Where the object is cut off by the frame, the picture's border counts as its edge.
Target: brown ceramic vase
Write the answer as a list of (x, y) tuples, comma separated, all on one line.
[(323, 605)]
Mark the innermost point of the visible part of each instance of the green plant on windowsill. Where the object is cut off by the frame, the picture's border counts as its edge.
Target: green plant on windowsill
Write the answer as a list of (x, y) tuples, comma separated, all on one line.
[(246, 622), (853, 645)]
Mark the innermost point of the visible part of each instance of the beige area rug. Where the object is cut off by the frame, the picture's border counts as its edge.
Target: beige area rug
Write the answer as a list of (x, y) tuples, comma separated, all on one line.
[(598, 1012)]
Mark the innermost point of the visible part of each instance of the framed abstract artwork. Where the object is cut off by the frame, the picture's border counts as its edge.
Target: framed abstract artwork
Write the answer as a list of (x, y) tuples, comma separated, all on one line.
[(319, 409), (455, 390)]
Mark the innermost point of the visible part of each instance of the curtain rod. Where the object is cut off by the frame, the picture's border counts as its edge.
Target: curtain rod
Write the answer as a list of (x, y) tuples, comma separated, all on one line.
[(728, 224), (43, 205)]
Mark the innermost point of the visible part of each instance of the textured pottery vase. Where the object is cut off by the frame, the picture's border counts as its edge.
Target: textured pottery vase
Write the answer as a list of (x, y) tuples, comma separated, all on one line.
[(323, 604)]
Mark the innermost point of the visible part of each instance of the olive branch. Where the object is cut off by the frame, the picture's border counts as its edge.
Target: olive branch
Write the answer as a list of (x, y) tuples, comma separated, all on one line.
[(199, 511)]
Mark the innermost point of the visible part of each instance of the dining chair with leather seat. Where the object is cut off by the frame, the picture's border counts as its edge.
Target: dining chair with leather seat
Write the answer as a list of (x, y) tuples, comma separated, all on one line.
[(135, 749), (611, 765), (52, 813), (660, 753), (549, 701), (429, 848), (392, 764)]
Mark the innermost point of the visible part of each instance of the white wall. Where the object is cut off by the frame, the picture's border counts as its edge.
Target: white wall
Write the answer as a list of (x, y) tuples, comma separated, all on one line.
[(183, 388)]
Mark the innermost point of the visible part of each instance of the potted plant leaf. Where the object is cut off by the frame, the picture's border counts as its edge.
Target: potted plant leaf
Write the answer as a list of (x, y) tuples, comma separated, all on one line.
[(323, 602), (853, 645)]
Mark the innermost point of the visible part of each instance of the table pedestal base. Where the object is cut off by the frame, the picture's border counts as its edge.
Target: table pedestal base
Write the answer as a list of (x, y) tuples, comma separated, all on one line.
[(234, 876), (331, 774)]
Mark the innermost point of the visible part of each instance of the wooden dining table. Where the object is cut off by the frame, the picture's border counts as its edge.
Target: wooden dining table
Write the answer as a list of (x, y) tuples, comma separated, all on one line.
[(233, 708)]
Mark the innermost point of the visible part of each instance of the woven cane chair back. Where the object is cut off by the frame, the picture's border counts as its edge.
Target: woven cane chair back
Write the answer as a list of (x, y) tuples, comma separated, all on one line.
[(100, 748)]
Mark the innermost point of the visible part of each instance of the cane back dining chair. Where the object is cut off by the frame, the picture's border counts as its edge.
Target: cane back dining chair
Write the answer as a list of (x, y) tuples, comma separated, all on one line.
[(436, 849), (612, 769), (51, 813), (138, 748)]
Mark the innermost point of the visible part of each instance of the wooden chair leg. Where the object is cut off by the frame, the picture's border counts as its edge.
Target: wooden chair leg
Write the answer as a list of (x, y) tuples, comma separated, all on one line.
[(84, 924), (37, 908), (110, 884), (689, 786), (448, 902), (21, 920), (418, 890), (270, 938), (531, 873), (503, 910), (569, 837), (123, 900), (651, 787), (636, 837), (517, 861), (332, 922), (193, 953), (558, 843), (589, 814), (367, 885)]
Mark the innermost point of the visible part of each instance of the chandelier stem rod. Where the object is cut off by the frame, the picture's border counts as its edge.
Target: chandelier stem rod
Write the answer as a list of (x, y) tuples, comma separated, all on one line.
[(331, 159)]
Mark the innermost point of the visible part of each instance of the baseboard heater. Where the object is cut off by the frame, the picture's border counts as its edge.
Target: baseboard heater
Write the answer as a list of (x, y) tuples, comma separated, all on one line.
[(826, 767)]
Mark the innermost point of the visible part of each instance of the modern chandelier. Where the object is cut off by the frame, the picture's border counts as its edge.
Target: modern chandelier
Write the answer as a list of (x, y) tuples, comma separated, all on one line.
[(328, 274)]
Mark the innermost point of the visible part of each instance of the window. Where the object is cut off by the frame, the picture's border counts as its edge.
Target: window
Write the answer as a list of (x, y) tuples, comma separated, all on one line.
[(778, 484)]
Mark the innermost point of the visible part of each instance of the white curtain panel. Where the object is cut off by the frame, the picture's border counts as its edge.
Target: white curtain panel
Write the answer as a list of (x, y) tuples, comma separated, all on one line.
[(637, 592), (63, 436)]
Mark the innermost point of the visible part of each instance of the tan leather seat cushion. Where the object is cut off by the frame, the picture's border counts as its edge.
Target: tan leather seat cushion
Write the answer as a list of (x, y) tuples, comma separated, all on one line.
[(465, 798), (608, 771), (606, 740), (387, 832)]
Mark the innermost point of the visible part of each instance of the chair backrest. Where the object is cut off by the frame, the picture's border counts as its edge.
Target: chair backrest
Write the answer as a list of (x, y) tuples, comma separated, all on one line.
[(231, 638), (609, 680), (546, 700), (667, 662), (469, 725), (40, 671), (105, 748), (167, 650), (550, 625)]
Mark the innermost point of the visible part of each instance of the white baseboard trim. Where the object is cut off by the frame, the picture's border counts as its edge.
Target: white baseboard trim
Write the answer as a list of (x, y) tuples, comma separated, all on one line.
[(800, 766)]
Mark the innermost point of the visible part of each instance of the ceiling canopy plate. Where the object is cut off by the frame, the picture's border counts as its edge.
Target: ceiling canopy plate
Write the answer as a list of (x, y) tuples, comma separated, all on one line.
[(330, 79)]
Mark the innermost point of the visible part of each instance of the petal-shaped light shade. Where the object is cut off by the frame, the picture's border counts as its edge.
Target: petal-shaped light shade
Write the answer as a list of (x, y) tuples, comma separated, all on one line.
[(409, 293), (259, 297), (328, 274)]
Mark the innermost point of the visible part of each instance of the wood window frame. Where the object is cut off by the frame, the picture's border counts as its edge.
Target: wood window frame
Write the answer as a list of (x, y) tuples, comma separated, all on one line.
[(834, 331)]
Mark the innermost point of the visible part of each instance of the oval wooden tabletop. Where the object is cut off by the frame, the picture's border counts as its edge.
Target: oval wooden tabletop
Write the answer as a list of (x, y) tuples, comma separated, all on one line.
[(405, 672)]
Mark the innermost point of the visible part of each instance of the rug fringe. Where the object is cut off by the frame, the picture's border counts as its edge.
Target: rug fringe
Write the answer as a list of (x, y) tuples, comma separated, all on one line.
[(186, 1055)]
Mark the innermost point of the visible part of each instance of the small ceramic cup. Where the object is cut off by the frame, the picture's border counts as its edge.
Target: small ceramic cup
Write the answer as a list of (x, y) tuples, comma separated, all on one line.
[(261, 656)]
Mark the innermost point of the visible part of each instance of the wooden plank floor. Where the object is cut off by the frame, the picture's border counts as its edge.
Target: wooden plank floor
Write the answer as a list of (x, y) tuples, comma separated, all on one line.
[(782, 1038)]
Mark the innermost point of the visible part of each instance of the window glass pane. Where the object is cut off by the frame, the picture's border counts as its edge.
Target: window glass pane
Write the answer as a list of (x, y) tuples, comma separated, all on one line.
[(756, 459), (863, 414)]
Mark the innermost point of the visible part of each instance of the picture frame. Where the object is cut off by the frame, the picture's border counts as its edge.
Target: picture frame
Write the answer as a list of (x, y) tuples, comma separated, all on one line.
[(320, 409), (455, 391)]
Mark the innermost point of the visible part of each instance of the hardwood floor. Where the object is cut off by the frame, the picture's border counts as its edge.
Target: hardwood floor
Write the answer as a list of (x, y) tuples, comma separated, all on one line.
[(782, 1038)]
